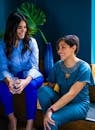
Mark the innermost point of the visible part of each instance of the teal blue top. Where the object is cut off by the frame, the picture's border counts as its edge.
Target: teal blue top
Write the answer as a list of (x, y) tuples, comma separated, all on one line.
[(28, 62), (80, 72)]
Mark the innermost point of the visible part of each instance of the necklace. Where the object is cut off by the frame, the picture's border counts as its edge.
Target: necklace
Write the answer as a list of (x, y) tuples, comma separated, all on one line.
[(68, 71), (67, 75)]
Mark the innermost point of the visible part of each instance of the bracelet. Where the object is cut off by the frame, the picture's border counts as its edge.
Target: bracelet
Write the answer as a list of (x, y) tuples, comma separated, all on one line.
[(51, 109)]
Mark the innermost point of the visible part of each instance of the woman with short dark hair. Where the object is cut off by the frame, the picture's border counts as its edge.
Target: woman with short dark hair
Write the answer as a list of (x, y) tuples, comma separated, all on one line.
[(66, 95)]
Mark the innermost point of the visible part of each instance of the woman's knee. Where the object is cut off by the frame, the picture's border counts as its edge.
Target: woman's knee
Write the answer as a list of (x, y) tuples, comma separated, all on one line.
[(43, 92), (35, 83)]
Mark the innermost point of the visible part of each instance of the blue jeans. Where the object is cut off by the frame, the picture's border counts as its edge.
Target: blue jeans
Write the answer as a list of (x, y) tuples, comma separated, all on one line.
[(30, 91)]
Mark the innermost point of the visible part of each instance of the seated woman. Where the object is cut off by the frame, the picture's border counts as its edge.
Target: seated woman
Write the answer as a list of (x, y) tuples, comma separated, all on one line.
[(19, 57), (66, 96)]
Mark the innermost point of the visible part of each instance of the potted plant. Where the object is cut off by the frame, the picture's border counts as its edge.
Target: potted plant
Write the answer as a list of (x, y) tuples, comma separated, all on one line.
[(36, 18)]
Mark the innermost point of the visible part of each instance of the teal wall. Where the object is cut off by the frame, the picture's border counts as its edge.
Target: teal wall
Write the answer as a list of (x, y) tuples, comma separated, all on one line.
[(6, 6), (93, 32), (2, 15), (68, 17), (63, 17)]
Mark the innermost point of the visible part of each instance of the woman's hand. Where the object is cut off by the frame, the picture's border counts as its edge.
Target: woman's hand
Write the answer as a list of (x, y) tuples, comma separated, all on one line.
[(10, 85), (48, 120), (22, 84)]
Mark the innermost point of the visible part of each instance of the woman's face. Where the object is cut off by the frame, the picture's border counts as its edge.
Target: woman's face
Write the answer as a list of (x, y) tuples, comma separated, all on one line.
[(21, 30), (65, 51)]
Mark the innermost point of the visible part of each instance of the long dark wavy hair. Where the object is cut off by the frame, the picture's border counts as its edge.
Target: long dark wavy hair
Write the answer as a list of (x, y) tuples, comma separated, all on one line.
[(10, 35)]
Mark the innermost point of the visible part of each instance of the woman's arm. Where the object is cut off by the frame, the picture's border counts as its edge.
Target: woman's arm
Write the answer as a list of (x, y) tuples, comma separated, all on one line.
[(69, 96), (4, 71), (34, 60)]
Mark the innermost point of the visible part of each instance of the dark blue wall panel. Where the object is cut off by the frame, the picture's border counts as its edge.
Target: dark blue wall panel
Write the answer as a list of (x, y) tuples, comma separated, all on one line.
[(68, 17), (63, 17), (6, 6)]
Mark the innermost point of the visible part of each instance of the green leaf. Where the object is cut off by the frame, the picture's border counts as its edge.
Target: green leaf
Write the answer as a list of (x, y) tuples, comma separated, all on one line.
[(35, 17)]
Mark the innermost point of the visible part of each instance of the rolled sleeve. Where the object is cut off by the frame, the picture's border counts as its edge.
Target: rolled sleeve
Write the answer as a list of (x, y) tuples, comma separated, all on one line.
[(85, 74), (34, 73), (34, 60), (6, 74)]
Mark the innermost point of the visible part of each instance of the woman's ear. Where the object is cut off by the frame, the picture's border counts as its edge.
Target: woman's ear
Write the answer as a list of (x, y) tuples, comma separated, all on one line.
[(74, 48)]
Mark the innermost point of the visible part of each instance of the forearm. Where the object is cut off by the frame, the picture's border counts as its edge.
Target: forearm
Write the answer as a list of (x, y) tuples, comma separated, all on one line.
[(28, 79), (62, 101), (69, 96)]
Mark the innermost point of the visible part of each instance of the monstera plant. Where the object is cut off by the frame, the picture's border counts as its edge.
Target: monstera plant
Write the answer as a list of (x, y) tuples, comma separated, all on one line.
[(36, 18)]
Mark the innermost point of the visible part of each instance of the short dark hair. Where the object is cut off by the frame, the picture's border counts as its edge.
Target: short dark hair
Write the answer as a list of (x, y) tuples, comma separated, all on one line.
[(71, 40)]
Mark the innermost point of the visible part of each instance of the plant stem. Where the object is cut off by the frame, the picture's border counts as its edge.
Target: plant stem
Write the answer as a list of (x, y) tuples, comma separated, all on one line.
[(43, 36)]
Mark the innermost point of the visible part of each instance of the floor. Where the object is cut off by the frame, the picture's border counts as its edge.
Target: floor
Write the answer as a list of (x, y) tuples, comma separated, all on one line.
[(24, 129), (78, 125), (21, 125)]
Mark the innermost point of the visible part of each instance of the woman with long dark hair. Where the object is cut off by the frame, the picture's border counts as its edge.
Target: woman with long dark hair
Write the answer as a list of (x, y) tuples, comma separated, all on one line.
[(19, 57)]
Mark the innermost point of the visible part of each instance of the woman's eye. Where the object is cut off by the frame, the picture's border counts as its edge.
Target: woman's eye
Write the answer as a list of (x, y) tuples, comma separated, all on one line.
[(19, 28), (63, 47)]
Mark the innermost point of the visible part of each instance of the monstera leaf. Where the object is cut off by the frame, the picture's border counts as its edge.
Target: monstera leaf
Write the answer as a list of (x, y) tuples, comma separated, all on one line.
[(35, 17)]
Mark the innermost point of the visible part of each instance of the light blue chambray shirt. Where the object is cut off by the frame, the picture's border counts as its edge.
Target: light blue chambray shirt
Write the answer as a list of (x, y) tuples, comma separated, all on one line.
[(28, 62)]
